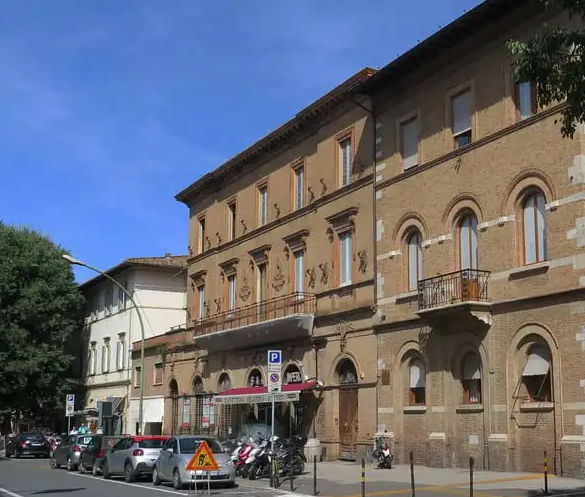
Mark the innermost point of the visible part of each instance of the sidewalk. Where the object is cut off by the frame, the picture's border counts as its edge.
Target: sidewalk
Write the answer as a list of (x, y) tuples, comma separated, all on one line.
[(341, 479)]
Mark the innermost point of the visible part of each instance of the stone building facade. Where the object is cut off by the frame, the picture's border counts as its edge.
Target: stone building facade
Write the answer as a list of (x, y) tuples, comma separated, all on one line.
[(281, 241), (479, 254)]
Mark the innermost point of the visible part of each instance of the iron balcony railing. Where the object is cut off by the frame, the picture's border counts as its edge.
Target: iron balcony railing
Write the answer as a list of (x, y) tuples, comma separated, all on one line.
[(277, 307), (467, 285)]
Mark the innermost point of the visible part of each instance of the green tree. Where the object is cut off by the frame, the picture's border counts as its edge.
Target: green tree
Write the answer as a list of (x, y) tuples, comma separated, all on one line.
[(553, 60), (41, 321)]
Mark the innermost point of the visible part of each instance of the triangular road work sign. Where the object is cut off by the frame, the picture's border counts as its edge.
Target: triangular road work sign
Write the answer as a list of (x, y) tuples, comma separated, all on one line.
[(203, 459)]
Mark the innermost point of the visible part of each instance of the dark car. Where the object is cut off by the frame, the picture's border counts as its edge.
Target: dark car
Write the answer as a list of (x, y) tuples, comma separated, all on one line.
[(28, 444), (92, 456)]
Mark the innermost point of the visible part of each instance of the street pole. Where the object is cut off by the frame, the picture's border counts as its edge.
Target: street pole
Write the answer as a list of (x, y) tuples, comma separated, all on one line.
[(77, 262)]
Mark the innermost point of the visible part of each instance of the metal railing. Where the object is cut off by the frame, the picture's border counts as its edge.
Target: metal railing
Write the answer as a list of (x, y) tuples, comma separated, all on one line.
[(467, 285), (278, 307)]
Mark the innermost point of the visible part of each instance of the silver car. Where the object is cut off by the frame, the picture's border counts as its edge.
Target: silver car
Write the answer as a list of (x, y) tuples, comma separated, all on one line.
[(132, 457), (67, 453), (172, 462)]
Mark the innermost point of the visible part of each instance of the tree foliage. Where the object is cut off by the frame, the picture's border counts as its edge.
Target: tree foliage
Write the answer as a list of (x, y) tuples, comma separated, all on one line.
[(41, 320), (553, 60)]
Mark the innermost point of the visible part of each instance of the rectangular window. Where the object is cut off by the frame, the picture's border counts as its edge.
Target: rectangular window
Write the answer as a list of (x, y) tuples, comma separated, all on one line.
[(201, 296), (109, 301), (121, 299), (106, 357), (300, 272), (409, 136), (137, 373), (345, 258), (231, 292), (121, 352), (299, 187), (260, 283), (461, 113), (92, 367), (158, 373), (262, 205), (345, 161), (201, 236), (232, 220), (525, 97)]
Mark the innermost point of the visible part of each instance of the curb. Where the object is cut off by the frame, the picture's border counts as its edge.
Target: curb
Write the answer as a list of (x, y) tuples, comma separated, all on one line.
[(278, 491)]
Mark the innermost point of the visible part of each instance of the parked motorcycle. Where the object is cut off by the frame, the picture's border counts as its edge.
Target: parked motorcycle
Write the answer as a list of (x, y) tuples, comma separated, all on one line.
[(382, 454)]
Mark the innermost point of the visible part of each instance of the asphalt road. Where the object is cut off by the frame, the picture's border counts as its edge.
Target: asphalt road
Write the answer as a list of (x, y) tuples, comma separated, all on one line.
[(34, 477)]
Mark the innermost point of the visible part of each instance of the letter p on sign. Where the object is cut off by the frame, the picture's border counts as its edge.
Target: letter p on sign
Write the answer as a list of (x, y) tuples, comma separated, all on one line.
[(274, 357)]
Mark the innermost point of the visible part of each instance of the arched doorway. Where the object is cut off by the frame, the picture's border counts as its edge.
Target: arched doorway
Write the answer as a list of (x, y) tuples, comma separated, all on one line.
[(223, 413), (255, 378), (293, 413), (348, 409), (174, 394)]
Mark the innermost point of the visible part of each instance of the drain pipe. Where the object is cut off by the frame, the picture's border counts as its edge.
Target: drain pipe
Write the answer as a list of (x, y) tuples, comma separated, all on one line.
[(373, 116)]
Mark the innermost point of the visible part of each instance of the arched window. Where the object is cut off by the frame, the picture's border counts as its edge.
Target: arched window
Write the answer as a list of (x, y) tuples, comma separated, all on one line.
[(224, 383), (468, 242), (471, 379), (418, 380), (173, 388), (347, 373), (534, 226), (198, 386), (255, 378), (292, 374), (415, 260), (536, 374)]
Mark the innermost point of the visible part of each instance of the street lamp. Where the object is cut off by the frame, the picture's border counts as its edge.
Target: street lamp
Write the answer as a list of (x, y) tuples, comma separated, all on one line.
[(77, 262)]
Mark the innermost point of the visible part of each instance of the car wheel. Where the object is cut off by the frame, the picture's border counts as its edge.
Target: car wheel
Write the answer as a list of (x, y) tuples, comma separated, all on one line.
[(156, 481), (95, 470), (106, 471), (177, 483), (128, 473)]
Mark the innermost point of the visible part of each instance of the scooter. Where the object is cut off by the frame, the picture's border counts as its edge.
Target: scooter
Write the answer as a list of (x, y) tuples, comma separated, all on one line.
[(250, 460), (382, 454)]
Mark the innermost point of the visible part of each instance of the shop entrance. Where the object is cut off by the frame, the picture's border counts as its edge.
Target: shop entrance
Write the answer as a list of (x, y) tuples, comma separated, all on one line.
[(348, 410)]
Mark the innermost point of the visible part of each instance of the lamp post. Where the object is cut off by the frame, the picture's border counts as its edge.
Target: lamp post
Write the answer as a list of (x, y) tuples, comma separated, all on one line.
[(76, 262)]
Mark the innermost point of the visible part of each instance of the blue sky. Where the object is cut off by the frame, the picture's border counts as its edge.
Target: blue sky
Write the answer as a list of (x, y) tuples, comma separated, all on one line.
[(108, 108)]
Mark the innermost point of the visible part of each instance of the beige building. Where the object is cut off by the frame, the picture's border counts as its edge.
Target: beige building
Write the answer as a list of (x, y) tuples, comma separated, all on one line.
[(435, 300), (480, 261), (281, 258)]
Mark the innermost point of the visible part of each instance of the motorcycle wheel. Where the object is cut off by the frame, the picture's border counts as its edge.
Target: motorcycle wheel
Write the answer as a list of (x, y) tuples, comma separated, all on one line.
[(298, 467), (245, 471), (253, 473)]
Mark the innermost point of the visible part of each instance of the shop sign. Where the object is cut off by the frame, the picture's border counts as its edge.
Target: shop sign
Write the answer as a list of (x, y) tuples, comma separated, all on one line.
[(186, 411), (260, 398), (208, 414), (293, 377)]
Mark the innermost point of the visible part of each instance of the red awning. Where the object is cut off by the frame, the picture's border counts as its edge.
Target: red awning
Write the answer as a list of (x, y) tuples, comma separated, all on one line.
[(259, 395), (291, 387)]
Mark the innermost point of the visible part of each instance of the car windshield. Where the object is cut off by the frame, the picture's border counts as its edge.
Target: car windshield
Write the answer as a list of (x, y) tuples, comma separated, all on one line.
[(189, 445), (84, 440), (151, 444), (34, 438)]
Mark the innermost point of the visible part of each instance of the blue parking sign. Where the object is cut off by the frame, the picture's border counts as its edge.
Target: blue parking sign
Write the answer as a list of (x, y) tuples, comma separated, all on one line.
[(274, 357)]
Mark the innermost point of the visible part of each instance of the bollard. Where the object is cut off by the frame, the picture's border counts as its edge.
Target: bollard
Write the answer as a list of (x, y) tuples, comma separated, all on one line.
[(315, 491), (412, 487), (291, 472), (545, 473), (471, 476), (363, 478)]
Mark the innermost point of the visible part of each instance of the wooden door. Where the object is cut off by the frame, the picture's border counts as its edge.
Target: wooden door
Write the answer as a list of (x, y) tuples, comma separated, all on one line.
[(348, 422)]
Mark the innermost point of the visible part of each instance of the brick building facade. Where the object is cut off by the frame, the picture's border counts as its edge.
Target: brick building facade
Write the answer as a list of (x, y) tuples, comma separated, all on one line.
[(434, 300), (479, 208)]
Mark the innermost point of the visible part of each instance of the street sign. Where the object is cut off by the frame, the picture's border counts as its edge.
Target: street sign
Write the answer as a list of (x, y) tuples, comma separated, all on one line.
[(274, 361), (69, 405), (203, 459), (274, 383)]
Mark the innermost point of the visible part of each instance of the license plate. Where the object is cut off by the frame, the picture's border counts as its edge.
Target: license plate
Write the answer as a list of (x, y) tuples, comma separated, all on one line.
[(36, 445)]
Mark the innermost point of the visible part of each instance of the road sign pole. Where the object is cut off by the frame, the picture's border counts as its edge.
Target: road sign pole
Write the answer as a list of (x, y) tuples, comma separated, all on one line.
[(68, 424)]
